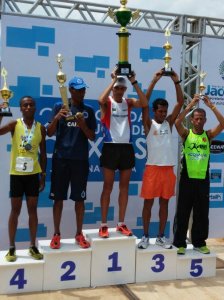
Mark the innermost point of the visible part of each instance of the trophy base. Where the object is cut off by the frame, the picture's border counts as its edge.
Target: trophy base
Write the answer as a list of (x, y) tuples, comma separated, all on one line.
[(5, 113), (70, 118), (124, 69), (167, 72)]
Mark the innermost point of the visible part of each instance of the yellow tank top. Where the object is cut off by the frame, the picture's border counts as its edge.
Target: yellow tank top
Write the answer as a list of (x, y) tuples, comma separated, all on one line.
[(25, 162)]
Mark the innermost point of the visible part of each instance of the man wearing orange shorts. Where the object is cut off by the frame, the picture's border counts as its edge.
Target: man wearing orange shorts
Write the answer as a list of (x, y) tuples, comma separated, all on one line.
[(159, 178)]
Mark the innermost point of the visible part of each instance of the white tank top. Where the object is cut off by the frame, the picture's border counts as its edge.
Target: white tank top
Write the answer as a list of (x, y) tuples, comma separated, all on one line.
[(159, 145), (116, 122)]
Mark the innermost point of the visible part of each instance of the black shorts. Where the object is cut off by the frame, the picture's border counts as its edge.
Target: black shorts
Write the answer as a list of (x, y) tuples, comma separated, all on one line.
[(24, 184), (117, 156), (67, 172)]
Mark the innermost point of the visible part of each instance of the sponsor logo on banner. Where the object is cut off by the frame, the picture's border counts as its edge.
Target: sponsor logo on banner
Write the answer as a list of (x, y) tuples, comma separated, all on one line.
[(217, 147), (215, 175), (216, 197)]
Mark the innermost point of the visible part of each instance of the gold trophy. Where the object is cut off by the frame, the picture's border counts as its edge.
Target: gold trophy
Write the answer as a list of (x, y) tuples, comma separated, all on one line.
[(202, 87), (61, 78), (5, 94), (167, 70), (123, 16)]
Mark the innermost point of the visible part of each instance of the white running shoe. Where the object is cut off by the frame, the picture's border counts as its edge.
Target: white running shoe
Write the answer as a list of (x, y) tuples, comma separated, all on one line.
[(163, 242), (143, 244)]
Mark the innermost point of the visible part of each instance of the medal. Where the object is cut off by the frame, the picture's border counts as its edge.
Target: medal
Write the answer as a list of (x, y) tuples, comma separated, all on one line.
[(28, 147), (29, 135)]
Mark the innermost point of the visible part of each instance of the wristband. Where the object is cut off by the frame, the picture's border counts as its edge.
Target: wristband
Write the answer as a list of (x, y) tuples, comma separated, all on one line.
[(213, 107), (177, 82), (134, 82)]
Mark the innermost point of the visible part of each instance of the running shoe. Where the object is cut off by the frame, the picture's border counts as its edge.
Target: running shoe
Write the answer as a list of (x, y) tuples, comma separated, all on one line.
[(34, 252), (163, 242), (103, 232), (55, 242), (123, 229), (181, 251), (11, 255), (144, 243), (81, 241), (203, 249)]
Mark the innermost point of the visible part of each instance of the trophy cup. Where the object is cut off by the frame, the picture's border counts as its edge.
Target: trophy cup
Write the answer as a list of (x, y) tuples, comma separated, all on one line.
[(123, 16), (5, 94), (61, 78), (201, 85), (201, 88), (167, 70)]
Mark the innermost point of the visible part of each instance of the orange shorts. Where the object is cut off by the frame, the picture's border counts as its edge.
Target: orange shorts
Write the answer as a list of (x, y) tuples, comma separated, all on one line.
[(158, 181)]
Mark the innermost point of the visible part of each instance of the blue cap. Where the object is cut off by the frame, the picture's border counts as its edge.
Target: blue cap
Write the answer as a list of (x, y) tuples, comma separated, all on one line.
[(77, 83)]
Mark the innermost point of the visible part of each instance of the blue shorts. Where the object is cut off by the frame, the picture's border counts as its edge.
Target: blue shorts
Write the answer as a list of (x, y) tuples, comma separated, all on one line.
[(67, 172), (24, 184)]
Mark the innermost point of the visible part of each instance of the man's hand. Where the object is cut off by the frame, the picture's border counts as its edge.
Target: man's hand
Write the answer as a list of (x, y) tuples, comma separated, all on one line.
[(42, 182), (207, 101), (63, 112), (131, 77), (174, 76), (114, 73), (194, 101), (157, 76)]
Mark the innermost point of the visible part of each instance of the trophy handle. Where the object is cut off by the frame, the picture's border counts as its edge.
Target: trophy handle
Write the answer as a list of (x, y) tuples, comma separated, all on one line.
[(64, 96)]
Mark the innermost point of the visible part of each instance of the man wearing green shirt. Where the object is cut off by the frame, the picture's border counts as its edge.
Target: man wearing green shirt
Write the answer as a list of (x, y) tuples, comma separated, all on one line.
[(194, 179)]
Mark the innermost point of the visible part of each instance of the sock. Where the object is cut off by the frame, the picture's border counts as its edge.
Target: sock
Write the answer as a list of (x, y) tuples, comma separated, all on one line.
[(120, 223)]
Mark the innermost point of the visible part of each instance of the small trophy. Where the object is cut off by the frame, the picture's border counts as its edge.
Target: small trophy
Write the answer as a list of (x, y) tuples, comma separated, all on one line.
[(61, 78), (5, 94), (202, 87), (123, 16), (167, 70)]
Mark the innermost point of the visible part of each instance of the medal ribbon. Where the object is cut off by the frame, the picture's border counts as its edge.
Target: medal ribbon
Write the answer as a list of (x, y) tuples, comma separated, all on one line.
[(28, 135)]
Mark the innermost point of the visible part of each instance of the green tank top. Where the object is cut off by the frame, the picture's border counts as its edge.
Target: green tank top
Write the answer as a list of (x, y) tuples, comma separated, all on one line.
[(197, 153), (25, 162)]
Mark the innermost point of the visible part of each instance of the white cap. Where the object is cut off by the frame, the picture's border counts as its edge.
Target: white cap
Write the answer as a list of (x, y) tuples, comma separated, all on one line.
[(121, 81)]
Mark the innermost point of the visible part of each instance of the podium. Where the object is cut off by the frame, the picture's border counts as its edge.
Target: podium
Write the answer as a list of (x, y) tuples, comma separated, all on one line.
[(113, 259), (22, 276), (67, 267), (116, 260), (195, 264), (155, 263)]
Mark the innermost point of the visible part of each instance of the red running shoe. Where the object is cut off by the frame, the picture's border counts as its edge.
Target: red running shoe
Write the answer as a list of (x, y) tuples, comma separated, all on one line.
[(123, 229), (103, 232), (81, 241), (56, 242)]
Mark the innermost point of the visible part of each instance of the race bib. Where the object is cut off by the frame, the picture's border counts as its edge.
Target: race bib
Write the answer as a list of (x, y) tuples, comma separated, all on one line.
[(24, 164)]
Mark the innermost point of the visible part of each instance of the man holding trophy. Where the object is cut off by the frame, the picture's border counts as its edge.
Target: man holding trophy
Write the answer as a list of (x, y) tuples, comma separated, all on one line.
[(159, 178), (194, 180), (27, 171), (117, 152), (73, 123)]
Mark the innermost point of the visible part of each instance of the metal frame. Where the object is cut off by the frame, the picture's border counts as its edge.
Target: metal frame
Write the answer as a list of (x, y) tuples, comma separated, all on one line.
[(191, 28)]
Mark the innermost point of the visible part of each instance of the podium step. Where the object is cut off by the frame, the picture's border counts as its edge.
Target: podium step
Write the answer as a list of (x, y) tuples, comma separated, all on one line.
[(18, 276), (195, 264), (67, 267), (155, 263), (113, 259)]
